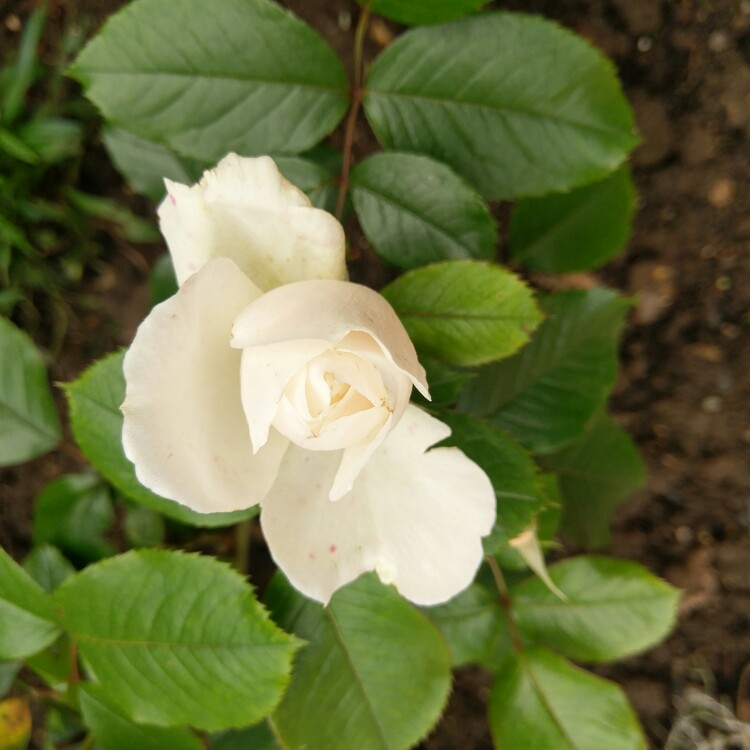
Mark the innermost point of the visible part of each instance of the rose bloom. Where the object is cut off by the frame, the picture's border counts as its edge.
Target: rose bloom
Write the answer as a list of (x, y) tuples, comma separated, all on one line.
[(268, 379)]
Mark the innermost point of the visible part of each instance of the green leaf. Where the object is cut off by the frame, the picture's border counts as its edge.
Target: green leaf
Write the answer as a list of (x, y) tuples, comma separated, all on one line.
[(96, 420), (551, 389), (445, 382), (315, 173), (48, 567), (375, 675), (177, 639), (515, 103), (145, 164), (464, 312), (27, 622), (73, 513), (415, 211), (252, 78), (474, 627), (259, 737), (541, 701), (143, 527), (113, 731), (574, 231), (24, 69), (52, 138), (15, 723), (614, 608), (14, 147), (29, 425), (163, 279), (8, 672), (597, 472), (418, 12), (510, 468)]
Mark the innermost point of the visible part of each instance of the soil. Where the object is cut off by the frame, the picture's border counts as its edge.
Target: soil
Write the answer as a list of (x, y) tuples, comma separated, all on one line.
[(684, 389)]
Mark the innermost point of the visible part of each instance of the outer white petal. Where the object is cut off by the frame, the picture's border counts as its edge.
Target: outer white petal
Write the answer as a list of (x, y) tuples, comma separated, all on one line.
[(184, 427), (245, 210), (415, 517), (329, 310)]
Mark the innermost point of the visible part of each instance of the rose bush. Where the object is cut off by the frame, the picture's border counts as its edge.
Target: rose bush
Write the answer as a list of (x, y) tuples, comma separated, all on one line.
[(269, 379)]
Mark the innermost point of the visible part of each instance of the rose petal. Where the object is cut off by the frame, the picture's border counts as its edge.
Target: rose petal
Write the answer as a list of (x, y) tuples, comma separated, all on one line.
[(265, 371), (329, 310), (415, 517), (245, 210), (184, 428)]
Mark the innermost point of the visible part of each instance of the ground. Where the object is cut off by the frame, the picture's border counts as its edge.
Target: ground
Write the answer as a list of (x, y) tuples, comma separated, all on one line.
[(684, 389)]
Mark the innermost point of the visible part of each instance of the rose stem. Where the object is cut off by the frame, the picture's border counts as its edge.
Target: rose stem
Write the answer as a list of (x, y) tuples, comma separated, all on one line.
[(351, 120), (502, 588), (242, 546)]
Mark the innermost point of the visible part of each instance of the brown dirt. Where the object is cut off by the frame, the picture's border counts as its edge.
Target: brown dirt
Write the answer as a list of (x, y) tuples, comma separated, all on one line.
[(684, 390)]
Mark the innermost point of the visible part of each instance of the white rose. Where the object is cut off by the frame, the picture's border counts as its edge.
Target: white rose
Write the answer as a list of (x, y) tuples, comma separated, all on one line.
[(292, 390)]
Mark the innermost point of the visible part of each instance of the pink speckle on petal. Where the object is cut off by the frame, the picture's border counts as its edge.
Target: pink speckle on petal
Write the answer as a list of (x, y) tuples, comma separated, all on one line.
[(173, 199), (332, 548), (311, 555)]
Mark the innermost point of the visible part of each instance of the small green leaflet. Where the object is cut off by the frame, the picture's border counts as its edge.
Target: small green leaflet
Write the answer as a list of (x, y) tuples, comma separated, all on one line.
[(375, 674), (574, 231), (48, 567), (548, 392), (464, 312), (597, 472), (541, 701), (29, 425), (418, 12), (415, 211), (27, 621), (237, 89), (513, 122), (614, 609), (177, 639)]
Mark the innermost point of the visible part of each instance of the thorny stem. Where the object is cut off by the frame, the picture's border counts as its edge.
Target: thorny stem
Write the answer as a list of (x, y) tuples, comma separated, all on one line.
[(502, 588), (242, 546), (351, 120)]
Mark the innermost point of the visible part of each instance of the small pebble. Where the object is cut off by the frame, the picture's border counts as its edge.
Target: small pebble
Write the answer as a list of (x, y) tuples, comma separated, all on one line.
[(723, 283), (683, 534), (712, 404), (718, 41), (645, 43), (13, 23), (345, 20), (720, 194)]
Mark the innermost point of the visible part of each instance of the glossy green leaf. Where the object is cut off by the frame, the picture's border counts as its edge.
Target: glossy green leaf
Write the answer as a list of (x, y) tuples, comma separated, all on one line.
[(145, 164), (96, 420), (597, 472), (163, 281), (48, 566), (113, 731), (574, 231), (258, 737), (445, 382), (419, 12), (541, 701), (8, 672), (239, 89), (143, 527), (474, 627), (316, 174), (551, 389), (73, 513), (464, 312), (27, 623), (176, 639), (515, 103), (375, 674), (29, 425), (510, 468), (614, 608), (415, 211)]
